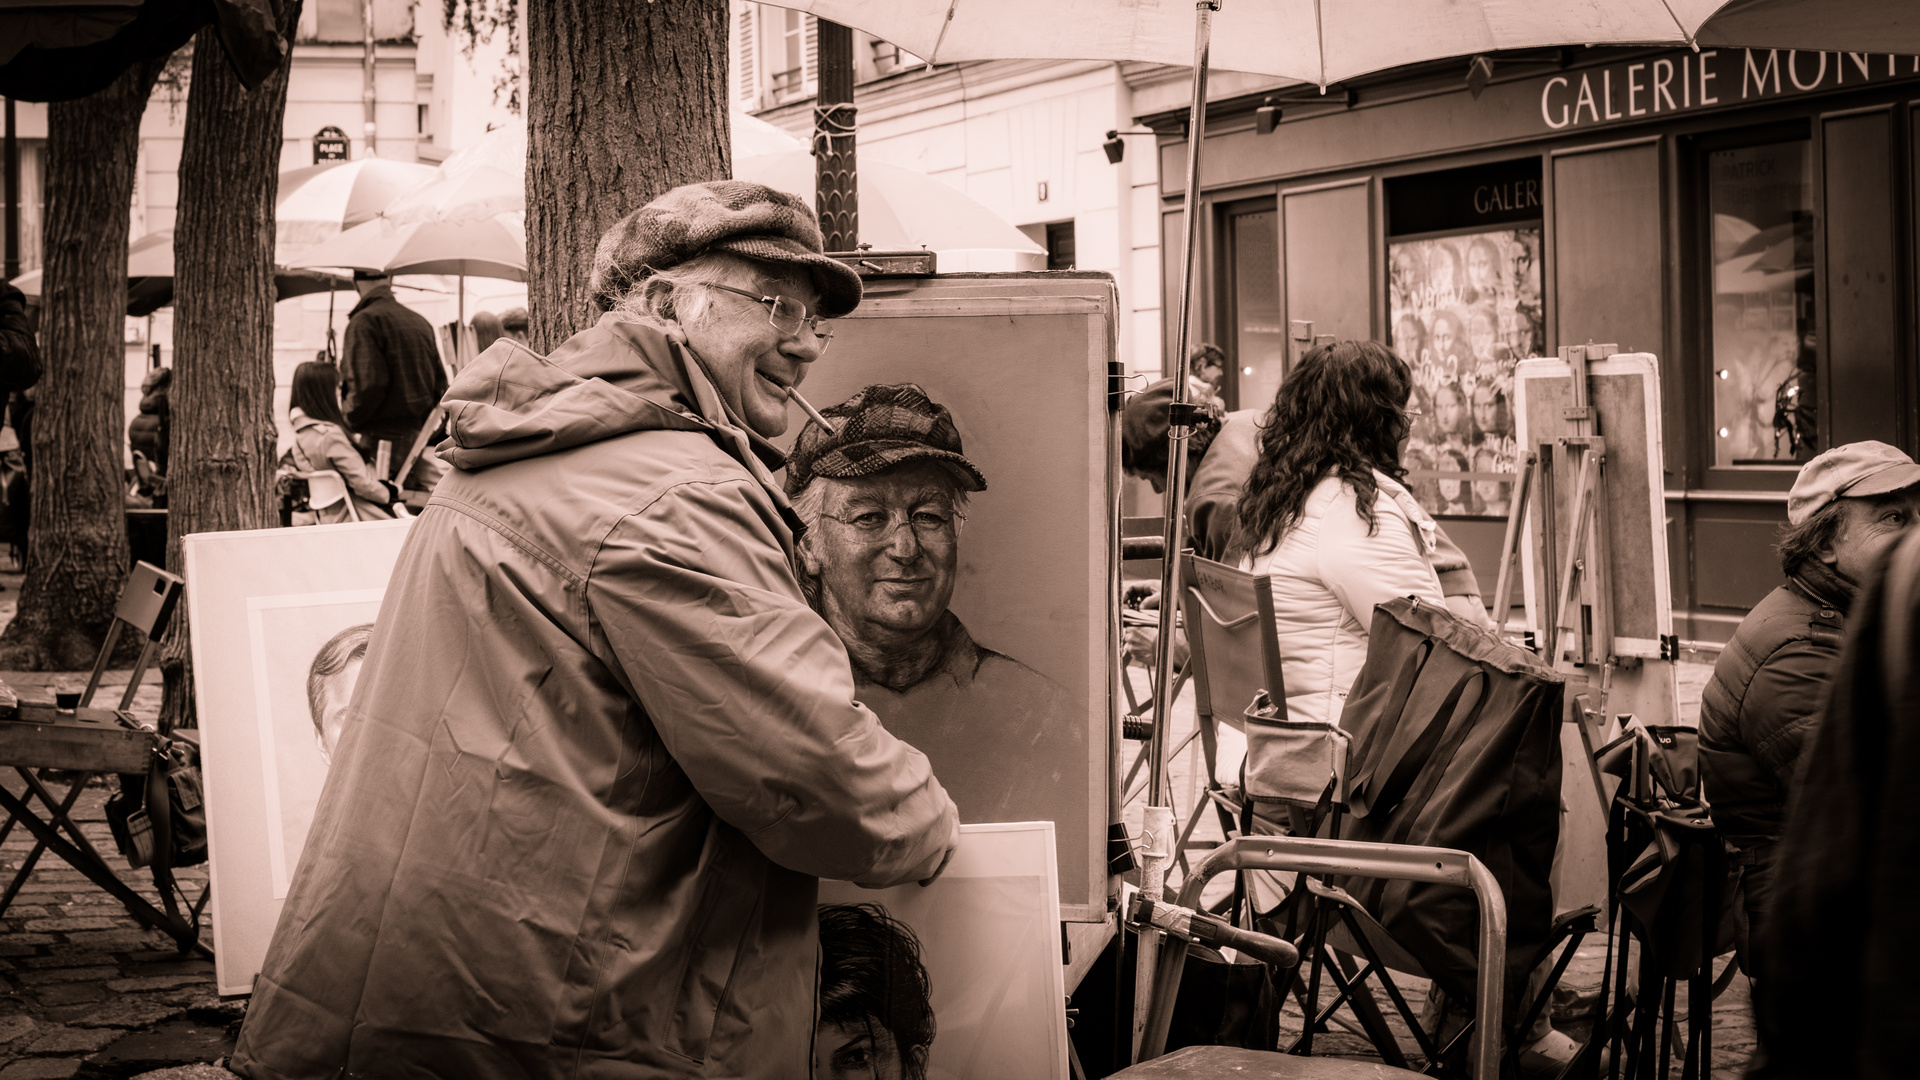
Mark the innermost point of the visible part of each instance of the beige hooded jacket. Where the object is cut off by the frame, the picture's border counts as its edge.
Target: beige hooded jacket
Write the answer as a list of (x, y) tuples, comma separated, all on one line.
[(599, 753)]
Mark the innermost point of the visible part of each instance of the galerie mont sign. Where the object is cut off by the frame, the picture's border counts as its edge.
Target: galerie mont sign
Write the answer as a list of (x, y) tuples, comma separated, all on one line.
[(1686, 81)]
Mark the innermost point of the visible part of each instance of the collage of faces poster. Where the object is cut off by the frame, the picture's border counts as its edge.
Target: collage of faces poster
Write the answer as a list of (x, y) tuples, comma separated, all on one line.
[(1465, 309)]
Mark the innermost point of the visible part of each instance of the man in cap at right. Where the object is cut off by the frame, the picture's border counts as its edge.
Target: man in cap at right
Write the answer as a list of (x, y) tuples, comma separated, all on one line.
[(1759, 712)]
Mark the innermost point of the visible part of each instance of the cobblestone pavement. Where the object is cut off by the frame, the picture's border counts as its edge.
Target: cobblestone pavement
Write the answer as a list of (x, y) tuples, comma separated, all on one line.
[(86, 991)]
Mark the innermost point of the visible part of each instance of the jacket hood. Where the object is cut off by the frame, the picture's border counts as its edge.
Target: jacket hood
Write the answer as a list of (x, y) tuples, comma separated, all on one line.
[(616, 377)]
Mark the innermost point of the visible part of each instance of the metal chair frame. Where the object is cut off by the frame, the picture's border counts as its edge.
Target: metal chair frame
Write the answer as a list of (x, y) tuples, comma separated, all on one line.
[(1351, 858)]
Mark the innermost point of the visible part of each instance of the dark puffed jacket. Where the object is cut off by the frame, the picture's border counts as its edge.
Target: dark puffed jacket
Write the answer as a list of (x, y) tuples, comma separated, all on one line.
[(1759, 712)]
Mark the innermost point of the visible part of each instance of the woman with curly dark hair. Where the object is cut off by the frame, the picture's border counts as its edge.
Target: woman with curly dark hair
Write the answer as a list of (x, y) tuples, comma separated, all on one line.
[(1326, 516)]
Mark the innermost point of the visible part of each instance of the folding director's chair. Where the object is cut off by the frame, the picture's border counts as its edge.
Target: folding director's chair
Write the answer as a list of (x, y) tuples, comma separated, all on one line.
[(1236, 655), (92, 741)]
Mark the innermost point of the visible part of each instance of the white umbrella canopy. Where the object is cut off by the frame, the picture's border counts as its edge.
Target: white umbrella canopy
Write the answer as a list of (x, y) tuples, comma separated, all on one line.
[(493, 247), (900, 209), (1316, 41), (489, 177), (150, 277), (319, 201)]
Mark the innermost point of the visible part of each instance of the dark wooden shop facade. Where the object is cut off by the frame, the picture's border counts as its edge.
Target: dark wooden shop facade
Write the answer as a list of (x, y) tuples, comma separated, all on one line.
[(1747, 216)]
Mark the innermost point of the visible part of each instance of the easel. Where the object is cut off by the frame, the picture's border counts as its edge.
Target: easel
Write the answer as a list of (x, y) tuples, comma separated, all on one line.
[(1585, 571)]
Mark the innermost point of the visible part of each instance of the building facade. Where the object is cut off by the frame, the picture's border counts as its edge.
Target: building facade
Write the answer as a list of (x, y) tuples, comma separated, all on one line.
[(1748, 216), (1024, 138)]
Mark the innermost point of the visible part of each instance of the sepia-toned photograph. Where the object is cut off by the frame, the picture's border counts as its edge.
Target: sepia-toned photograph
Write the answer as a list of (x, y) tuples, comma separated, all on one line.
[(829, 538)]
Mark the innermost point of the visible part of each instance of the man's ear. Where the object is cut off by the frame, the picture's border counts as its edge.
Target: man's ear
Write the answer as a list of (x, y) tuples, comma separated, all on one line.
[(809, 561)]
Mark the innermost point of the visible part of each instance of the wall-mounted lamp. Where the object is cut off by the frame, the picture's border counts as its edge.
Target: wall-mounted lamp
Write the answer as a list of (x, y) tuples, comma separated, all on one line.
[(1266, 117), (1115, 149), (1479, 70)]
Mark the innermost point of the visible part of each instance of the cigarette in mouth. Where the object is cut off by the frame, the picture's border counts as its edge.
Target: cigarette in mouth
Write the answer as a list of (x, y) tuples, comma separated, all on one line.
[(805, 406)]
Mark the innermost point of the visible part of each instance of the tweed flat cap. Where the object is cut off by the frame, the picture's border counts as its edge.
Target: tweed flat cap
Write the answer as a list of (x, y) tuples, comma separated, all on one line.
[(723, 215), (880, 427)]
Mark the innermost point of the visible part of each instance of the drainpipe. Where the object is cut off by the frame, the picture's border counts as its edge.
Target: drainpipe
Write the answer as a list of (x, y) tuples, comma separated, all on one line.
[(367, 95)]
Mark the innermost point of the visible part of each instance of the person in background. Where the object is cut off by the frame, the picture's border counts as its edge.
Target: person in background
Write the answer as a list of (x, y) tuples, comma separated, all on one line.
[(19, 351), (1206, 374), (876, 1010), (486, 330), (601, 748), (1837, 996), (322, 440), (513, 324), (391, 377), (1221, 455), (1761, 709), (1326, 518), (147, 433)]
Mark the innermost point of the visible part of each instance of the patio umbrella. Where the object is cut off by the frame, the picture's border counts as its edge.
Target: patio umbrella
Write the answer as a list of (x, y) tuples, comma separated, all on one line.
[(899, 208), (150, 277), (319, 201), (1316, 41), (489, 177), (494, 247)]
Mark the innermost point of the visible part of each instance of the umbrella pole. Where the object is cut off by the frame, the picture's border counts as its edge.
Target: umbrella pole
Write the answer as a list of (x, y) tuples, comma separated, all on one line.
[(463, 300), (1157, 828)]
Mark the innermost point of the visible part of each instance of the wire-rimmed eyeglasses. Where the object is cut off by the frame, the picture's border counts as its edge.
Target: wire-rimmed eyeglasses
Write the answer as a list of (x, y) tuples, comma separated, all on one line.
[(786, 315)]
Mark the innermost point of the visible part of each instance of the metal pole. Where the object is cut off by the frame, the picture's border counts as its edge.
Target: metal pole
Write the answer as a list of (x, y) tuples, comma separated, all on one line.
[(1177, 432), (368, 98), (1157, 827), (10, 180)]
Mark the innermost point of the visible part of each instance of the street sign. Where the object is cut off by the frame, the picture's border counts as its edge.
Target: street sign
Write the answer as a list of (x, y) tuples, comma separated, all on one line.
[(330, 144)]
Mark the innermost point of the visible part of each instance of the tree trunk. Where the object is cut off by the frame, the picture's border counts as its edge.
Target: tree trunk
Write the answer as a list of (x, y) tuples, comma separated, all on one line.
[(222, 466), (624, 101), (836, 179), (77, 537)]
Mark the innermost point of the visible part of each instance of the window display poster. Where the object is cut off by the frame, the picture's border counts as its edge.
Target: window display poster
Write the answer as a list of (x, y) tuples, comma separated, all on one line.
[(1464, 309)]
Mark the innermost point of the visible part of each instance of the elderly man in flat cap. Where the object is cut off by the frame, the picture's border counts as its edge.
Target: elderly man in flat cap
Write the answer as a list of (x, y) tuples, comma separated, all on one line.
[(884, 499), (1761, 709), (601, 749)]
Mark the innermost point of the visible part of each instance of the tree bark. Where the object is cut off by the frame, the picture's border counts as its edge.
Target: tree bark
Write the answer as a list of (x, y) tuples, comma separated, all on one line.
[(624, 101), (77, 536), (223, 435), (836, 179)]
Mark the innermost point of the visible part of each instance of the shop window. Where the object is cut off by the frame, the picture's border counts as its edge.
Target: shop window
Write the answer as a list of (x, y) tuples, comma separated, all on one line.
[(1463, 289), (1760, 203), (1060, 254)]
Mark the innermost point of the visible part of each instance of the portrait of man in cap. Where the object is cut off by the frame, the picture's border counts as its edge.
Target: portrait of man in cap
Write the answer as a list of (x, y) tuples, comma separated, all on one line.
[(884, 500)]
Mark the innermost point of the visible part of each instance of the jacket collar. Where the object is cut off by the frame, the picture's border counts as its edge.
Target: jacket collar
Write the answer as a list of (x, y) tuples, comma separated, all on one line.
[(1823, 585), (382, 291)]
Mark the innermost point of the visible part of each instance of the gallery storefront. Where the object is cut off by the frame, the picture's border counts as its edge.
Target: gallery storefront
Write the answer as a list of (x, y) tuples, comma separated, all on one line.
[(1746, 215)]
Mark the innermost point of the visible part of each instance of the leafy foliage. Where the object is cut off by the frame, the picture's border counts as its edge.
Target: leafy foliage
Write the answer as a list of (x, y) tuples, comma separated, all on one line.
[(477, 21)]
